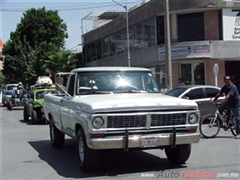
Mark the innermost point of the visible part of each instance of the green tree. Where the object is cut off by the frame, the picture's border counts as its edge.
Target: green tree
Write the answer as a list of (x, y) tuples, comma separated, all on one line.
[(40, 34), (61, 61)]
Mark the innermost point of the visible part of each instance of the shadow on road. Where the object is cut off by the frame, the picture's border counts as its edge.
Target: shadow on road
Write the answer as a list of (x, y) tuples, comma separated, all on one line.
[(112, 163), (29, 122), (13, 109)]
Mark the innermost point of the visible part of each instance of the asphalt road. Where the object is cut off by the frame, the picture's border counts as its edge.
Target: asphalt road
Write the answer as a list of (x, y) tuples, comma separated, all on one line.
[(26, 154)]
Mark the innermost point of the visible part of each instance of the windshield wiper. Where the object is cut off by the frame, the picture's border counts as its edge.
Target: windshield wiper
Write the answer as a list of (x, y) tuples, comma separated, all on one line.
[(130, 91), (95, 92)]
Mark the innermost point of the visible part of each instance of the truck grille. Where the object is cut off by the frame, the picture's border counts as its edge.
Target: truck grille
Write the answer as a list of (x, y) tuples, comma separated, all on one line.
[(132, 121), (126, 121), (168, 119)]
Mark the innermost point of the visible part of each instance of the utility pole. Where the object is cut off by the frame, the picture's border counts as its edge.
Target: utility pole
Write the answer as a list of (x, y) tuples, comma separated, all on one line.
[(128, 49), (168, 44)]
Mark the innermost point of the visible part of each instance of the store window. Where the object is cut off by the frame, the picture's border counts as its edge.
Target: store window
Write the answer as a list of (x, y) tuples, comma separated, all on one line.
[(131, 43), (99, 49), (88, 53), (138, 36), (120, 42), (191, 27), (93, 51), (112, 45), (193, 73), (105, 46), (149, 32), (160, 30)]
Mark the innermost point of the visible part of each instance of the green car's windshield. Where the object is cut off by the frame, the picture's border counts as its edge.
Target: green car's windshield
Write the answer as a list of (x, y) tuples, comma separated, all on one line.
[(40, 94), (116, 82)]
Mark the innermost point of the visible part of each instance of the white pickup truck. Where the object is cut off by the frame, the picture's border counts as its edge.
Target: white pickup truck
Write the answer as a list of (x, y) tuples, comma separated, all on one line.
[(110, 108)]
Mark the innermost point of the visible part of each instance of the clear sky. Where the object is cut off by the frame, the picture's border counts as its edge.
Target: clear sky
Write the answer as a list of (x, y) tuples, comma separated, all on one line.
[(72, 12)]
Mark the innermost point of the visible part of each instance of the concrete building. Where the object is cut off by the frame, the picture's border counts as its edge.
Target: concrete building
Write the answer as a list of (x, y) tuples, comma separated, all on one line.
[(202, 33)]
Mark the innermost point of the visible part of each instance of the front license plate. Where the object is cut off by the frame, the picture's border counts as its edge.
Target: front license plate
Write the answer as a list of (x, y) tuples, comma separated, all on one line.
[(149, 142)]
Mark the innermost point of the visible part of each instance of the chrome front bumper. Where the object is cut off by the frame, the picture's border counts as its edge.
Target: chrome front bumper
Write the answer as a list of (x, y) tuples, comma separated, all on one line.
[(134, 141)]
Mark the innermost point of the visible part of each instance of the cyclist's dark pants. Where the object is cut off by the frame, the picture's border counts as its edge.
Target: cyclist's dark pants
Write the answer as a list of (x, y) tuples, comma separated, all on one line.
[(236, 112)]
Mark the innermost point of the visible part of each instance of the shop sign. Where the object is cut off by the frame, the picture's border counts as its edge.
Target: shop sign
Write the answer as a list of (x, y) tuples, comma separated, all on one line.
[(231, 24), (185, 52)]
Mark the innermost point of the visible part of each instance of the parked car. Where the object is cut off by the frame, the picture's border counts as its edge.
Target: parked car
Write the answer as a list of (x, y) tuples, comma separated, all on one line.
[(19, 99), (201, 94), (34, 106), (11, 86), (6, 96)]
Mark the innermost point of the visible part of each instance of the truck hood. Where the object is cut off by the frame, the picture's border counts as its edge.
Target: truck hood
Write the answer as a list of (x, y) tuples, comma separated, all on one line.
[(131, 102)]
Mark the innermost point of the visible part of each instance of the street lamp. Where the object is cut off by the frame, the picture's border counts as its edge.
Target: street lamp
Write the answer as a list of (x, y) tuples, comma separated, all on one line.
[(125, 7)]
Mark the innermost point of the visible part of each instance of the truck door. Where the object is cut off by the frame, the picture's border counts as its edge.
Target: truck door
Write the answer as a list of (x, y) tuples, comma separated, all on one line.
[(66, 105)]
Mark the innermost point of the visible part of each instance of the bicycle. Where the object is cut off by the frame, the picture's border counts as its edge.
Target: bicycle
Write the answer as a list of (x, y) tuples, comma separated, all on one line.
[(210, 124)]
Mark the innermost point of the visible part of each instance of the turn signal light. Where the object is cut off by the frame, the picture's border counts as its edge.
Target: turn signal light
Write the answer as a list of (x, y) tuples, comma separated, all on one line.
[(96, 135), (192, 130)]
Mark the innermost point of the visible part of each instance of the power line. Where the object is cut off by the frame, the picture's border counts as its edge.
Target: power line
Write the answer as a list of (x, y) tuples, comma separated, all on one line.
[(60, 8)]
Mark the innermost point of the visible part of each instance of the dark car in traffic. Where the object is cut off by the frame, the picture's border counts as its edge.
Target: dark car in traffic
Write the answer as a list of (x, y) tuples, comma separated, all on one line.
[(6, 96)]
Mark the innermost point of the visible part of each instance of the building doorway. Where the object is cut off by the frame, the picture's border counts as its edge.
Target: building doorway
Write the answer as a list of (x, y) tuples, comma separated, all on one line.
[(192, 73), (232, 69)]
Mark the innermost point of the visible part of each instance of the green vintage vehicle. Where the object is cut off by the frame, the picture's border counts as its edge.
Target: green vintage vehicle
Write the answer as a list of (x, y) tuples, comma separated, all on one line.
[(34, 105)]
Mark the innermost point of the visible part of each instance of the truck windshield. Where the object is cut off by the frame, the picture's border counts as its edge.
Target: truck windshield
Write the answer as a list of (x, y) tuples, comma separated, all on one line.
[(11, 87), (116, 82)]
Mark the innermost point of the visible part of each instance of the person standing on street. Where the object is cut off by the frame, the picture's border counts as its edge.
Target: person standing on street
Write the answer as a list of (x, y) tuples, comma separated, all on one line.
[(231, 101), (180, 82)]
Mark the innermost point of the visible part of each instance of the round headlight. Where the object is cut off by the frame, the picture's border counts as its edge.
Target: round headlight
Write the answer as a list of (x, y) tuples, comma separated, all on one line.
[(192, 118), (97, 122)]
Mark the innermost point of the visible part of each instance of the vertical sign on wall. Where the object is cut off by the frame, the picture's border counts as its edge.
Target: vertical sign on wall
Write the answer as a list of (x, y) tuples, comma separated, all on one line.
[(231, 24), (215, 71)]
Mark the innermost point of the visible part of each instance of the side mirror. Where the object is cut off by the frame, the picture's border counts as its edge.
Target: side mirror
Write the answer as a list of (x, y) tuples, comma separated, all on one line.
[(185, 97)]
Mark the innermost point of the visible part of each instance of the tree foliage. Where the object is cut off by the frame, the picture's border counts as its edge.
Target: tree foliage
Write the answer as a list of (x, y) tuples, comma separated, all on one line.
[(61, 61), (39, 35)]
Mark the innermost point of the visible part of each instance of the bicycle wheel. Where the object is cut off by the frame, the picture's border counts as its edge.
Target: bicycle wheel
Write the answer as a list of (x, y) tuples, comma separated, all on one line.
[(209, 126), (233, 126)]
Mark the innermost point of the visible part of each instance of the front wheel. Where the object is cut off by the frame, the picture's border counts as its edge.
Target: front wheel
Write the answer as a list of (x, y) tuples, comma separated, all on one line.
[(25, 114), (209, 126), (179, 154), (57, 137), (9, 105), (87, 158)]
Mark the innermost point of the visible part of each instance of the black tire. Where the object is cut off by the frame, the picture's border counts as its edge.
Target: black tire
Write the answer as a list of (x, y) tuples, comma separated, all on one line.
[(25, 114), (46, 121), (87, 158), (9, 106), (233, 127), (179, 154), (34, 117), (207, 128), (57, 137)]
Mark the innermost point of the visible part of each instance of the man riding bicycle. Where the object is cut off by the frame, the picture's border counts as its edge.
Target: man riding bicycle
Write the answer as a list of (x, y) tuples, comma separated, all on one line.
[(231, 101)]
